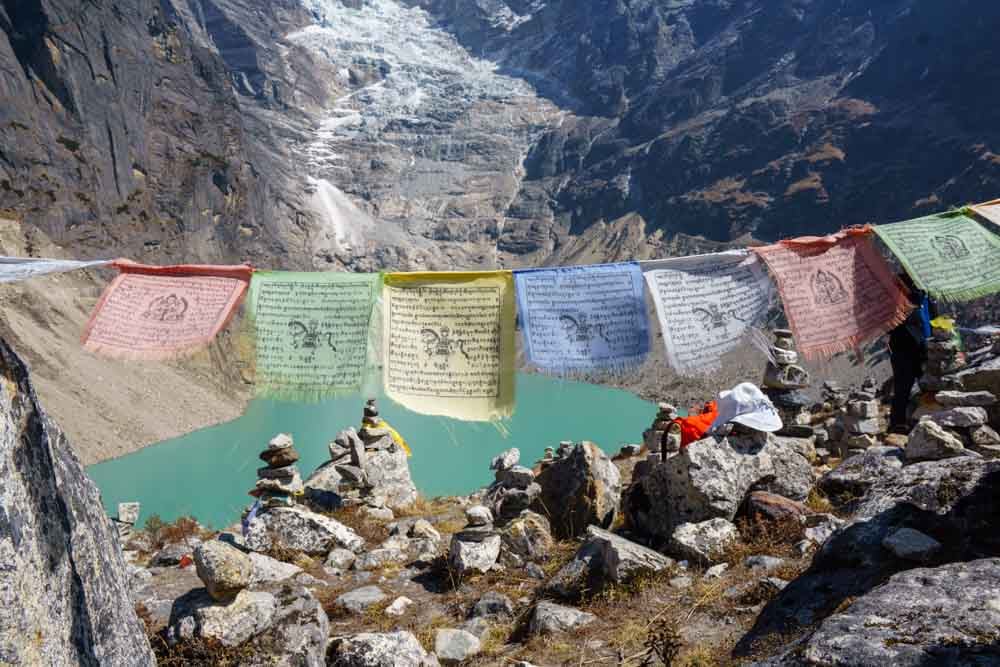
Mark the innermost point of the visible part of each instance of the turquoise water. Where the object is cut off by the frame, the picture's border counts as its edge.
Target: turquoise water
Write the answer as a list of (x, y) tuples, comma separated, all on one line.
[(207, 473)]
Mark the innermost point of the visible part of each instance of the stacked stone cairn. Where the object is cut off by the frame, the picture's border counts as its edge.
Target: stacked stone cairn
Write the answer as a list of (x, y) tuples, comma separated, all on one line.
[(128, 516), (944, 359), (514, 487), (653, 436), (368, 467), (862, 424), (475, 548), (279, 482), (784, 380)]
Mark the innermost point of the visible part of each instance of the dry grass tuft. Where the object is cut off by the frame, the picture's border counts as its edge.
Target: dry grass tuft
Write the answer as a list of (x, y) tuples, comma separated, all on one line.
[(764, 538), (162, 533), (818, 502), (372, 531)]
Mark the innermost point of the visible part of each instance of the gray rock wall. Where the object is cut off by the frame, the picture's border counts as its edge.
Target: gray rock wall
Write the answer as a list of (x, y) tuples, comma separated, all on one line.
[(64, 588)]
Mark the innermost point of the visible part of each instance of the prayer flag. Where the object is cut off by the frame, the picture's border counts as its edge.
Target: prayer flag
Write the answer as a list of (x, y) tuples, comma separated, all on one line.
[(707, 304), (585, 318), (163, 312), (311, 332), (837, 290), (950, 256), (449, 343), (989, 211), (13, 269)]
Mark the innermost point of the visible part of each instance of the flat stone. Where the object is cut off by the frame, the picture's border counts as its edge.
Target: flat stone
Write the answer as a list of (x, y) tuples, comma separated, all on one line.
[(550, 618), (280, 441), (910, 544), (370, 649), (517, 477), (454, 646), (284, 472), (358, 600), (959, 417), (957, 399), (299, 529), (280, 457), (267, 569)]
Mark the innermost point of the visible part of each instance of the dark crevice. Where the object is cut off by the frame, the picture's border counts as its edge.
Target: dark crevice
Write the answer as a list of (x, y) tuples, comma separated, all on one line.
[(27, 28), (114, 156)]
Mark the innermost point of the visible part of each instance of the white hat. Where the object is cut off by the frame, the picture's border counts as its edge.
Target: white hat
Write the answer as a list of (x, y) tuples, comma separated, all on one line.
[(746, 404)]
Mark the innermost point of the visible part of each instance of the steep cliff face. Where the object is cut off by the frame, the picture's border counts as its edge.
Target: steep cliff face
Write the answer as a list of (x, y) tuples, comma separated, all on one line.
[(63, 583)]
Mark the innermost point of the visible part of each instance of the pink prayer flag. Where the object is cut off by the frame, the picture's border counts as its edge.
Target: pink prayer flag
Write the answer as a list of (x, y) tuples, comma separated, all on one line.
[(837, 290), (164, 312)]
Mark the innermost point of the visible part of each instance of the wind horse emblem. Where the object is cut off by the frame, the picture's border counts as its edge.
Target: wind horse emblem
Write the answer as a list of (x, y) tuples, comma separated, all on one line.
[(712, 317), (441, 345), (950, 247), (166, 308), (307, 336)]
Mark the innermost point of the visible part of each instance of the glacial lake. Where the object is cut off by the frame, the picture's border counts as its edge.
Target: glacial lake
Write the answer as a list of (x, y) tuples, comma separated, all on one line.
[(207, 473)]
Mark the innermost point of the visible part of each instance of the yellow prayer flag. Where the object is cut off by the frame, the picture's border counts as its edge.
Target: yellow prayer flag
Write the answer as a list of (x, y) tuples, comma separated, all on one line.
[(449, 343)]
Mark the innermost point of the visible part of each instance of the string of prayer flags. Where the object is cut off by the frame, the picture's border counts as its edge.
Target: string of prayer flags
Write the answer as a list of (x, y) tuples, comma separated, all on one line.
[(449, 343), (585, 318), (14, 269), (950, 256), (989, 211), (837, 290), (312, 332), (163, 312), (707, 304)]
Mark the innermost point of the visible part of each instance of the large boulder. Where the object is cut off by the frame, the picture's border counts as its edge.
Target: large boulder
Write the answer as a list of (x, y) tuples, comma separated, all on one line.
[(710, 479), (64, 586), (929, 441), (930, 616), (580, 489), (528, 537), (855, 475), (388, 472), (376, 649), (279, 625), (224, 569), (298, 529), (953, 501), (479, 555), (622, 559)]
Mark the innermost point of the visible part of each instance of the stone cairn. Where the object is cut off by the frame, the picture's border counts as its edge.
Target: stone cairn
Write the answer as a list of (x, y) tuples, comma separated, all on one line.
[(862, 424), (514, 487), (652, 437), (944, 358), (128, 516), (476, 547), (784, 380), (279, 482)]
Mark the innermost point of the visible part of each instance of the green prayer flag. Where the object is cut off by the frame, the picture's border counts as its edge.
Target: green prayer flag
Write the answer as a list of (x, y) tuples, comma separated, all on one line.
[(312, 333), (950, 256)]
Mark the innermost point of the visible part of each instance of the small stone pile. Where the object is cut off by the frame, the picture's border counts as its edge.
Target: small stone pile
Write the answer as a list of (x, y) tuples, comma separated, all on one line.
[(279, 482), (128, 516), (862, 423), (834, 396), (653, 436), (944, 359), (476, 547), (514, 488), (784, 380), (366, 467)]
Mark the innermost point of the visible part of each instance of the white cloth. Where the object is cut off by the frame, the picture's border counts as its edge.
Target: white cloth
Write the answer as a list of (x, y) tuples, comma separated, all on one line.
[(707, 305), (746, 404), (14, 269)]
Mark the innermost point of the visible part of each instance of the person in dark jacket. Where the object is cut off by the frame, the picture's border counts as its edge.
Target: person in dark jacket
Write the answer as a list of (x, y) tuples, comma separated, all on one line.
[(907, 354)]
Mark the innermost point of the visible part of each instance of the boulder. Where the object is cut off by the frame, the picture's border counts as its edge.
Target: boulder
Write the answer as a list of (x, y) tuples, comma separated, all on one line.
[(580, 489), (282, 625), (528, 536), (621, 559), (298, 529), (267, 569), (930, 442), (322, 488), (710, 478), (64, 584), (492, 605), (455, 646), (474, 556), (910, 544), (947, 615), (358, 600), (224, 569), (550, 618), (340, 559), (763, 507), (517, 477), (960, 399), (388, 472), (952, 501), (370, 649), (855, 475), (380, 557), (703, 542)]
